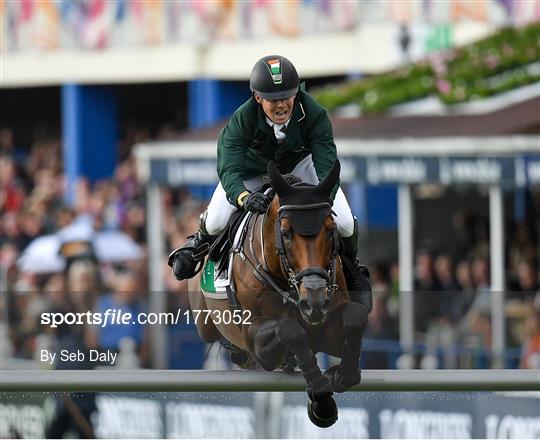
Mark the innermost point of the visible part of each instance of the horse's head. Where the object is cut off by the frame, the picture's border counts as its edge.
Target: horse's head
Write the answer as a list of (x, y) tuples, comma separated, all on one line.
[(306, 240)]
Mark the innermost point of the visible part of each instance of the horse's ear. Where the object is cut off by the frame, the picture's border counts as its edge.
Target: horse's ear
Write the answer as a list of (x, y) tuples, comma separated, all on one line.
[(279, 184), (328, 183)]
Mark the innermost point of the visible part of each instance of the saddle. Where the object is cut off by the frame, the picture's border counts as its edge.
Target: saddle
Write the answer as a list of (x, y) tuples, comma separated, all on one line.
[(217, 274), (217, 281), (219, 251)]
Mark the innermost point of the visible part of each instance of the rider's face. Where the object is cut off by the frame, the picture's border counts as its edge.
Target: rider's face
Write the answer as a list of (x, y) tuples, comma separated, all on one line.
[(279, 111)]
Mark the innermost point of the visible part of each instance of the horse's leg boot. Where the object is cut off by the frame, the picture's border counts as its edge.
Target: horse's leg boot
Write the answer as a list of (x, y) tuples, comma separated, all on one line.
[(347, 373), (188, 260), (356, 274)]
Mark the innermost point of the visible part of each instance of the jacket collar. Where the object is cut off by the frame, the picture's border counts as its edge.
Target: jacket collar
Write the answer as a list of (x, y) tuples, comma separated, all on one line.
[(298, 114)]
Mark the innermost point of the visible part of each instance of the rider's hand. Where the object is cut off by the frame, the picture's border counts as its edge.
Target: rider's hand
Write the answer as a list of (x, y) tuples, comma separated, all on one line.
[(256, 202)]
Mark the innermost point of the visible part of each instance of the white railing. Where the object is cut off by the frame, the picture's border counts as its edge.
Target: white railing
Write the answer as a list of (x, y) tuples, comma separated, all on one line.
[(257, 381)]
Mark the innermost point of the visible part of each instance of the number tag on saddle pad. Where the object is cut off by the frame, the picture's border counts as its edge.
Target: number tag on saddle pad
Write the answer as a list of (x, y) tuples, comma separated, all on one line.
[(214, 285)]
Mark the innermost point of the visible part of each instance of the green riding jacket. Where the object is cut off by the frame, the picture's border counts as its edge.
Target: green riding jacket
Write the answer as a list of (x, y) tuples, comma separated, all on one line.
[(247, 144)]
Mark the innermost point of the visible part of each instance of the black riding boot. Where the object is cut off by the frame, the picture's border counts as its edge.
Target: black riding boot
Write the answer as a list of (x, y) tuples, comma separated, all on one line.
[(188, 260), (356, 274)]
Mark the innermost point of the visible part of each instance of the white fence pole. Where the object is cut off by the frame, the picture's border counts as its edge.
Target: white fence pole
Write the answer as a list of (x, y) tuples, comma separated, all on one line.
[(158, 299), (406, 267), (253, 381), (496, 223)]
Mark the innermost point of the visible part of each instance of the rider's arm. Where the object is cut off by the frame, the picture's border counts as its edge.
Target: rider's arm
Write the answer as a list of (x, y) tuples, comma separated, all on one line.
[(320, 138), (232, 148)]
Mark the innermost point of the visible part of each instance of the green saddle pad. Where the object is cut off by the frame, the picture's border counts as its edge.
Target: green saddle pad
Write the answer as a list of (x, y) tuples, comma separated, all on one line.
[(207, 279)]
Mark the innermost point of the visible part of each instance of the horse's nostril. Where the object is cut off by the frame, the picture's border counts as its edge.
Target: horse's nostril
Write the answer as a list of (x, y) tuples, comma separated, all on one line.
[(305, 306)]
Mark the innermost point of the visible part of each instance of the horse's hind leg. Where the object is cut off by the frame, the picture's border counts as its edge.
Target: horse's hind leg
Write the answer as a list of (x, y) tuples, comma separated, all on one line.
[(206, 328), (265, 348), (347, 373)]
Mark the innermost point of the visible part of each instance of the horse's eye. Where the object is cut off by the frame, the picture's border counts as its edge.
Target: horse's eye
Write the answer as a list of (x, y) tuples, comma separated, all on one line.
[(287, 234)]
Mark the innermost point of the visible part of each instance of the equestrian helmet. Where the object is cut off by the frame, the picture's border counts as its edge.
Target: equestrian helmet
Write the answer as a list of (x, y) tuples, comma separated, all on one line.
[(274, 78)]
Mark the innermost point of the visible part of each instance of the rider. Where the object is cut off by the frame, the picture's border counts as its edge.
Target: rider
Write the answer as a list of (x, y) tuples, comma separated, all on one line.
[(283, 123)]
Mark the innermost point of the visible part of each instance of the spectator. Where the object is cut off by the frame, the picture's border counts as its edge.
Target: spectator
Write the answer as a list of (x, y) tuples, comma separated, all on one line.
[(520, 248), (393, 300), (453, 301), (530, 350), (380, 327), (82, 283), (464, 276), (444, 271), (527, 284), (125, 298), (426, 291)]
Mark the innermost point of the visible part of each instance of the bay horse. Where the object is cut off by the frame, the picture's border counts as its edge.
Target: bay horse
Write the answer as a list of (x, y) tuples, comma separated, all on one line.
[(288, 274)]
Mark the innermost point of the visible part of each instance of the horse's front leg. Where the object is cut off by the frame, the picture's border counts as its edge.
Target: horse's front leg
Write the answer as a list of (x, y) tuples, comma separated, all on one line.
[(347, 373), (273, 339), (291, 334)]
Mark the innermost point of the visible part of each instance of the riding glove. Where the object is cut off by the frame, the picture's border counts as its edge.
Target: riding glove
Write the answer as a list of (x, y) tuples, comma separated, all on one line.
[(256, 202)]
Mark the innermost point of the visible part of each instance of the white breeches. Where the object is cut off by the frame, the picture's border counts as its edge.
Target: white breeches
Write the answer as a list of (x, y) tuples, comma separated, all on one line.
[(219, 209)]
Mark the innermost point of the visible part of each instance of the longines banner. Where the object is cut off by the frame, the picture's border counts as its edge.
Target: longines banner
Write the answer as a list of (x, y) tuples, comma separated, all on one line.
[(231, 415), (520, 171)]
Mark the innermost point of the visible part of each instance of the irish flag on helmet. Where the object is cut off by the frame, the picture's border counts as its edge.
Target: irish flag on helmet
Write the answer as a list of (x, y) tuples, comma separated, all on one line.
[(275, 70)]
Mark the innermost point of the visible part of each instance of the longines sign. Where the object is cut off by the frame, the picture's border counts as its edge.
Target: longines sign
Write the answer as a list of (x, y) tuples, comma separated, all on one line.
[(468, 415), (515, 171)]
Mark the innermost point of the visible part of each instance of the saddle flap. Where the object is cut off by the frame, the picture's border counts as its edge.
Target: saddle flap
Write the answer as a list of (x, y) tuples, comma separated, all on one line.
[(223, 242)]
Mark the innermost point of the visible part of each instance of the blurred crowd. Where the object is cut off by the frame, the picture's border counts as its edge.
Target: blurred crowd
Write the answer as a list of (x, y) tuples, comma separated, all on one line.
[(452, 300), (31, 206), (98, 24)]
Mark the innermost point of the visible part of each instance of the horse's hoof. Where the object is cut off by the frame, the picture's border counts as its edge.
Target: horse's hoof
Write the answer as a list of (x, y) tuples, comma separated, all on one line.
[(340, 381), (322, 412)]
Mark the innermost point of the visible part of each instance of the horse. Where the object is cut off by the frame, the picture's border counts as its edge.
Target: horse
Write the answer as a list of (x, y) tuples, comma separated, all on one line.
[(289, 276)]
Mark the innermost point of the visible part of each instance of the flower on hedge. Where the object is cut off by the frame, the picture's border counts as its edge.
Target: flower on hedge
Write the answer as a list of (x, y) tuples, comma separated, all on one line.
[(491, 61), (444, 87), (479, 70)]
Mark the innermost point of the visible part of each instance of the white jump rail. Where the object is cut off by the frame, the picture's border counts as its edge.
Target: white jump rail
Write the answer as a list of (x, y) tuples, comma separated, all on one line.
[(258, 381)]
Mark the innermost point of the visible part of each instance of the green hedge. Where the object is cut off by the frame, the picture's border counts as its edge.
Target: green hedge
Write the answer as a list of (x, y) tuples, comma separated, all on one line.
[(487, 67)]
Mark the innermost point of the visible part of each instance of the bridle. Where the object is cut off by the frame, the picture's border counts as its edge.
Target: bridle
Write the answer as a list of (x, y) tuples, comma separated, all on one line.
[(294, 278)]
